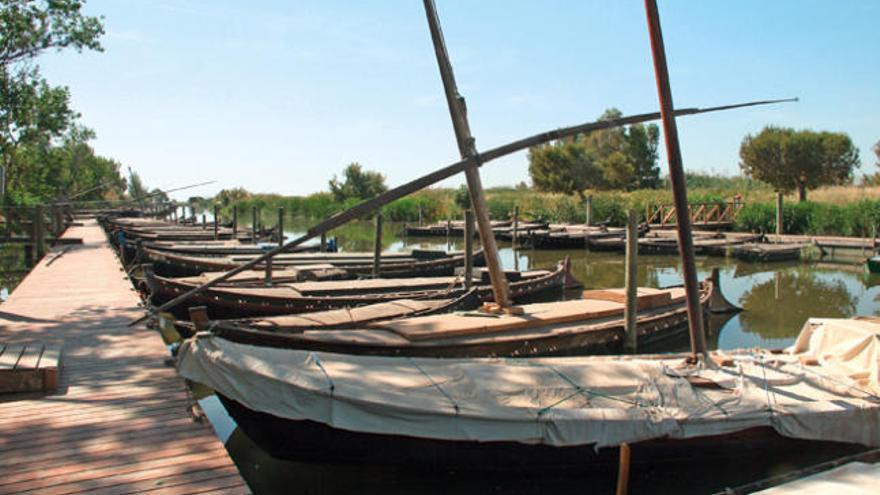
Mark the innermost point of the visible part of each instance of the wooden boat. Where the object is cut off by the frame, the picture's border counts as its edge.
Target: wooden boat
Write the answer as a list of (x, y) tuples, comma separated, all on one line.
[(221, 248), (548, 413), (592, 324), (451, 228), (249, 295), (767, 252), (707, 243), (417, 263), (341, 318), (577, 237)]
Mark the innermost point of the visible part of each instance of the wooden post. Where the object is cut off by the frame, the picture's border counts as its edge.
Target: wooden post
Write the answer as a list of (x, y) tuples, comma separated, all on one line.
[(254, 225), (323, 242), (280, 225), (268, 279), (515, 235), (204, 222), (57, 224), (234, 220), (631, 282), (39, 233), (589, 210), (467, 149), (679, 187), (468, 248), (623, 470), (377, 247), (779, 216), (216, 222)]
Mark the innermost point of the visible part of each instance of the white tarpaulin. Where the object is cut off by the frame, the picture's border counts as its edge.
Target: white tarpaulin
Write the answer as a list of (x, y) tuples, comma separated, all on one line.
[(562, 401)]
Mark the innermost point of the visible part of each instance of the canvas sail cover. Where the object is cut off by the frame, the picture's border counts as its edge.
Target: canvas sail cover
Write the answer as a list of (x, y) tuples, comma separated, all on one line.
[(824, 388)]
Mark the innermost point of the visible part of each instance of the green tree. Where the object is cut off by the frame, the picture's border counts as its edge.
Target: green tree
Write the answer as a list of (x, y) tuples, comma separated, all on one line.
[(564, 166), (136, 188), (798, 160), (619, 158), (357, 183), (33, 113)]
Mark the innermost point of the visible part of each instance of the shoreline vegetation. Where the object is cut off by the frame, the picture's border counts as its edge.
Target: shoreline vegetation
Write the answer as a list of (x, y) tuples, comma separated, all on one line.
[(850, 210)]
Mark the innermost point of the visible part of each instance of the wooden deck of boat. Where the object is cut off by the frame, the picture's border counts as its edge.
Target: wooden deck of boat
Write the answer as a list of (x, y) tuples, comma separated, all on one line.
[(119, 421)]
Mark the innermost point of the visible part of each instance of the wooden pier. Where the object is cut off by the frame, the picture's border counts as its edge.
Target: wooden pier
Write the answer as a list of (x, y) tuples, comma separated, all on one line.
[(119, 421)]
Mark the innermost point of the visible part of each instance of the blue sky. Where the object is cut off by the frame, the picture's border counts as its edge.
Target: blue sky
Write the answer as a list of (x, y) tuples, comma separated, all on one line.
[(277, 96)]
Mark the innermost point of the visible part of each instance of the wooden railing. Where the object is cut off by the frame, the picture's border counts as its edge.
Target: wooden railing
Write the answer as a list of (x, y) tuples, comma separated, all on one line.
[(701, 214)]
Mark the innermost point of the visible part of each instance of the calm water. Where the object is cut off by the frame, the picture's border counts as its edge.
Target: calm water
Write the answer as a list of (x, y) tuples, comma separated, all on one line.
[(777, 300)]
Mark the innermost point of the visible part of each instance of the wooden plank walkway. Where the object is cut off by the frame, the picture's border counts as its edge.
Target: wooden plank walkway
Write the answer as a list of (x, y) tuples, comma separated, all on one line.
[(119, 421)]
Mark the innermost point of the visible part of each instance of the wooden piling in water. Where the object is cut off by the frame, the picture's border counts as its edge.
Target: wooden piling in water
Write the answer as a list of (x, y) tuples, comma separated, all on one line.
[(631, 282), (280, 225), (204, 222), (589, 215), (216, 222), (268, 277), (323, 242), (779, 203), (515, 234), (377, 247), (468, 248), (234, 220), (254, 225)]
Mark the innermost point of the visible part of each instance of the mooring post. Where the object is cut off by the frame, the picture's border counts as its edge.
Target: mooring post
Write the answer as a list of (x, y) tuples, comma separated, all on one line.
[(631, 282), (254, 224), (377, 247), (204, 222), (234, 220), (779, 217), (679, 187), (468, 248), (216, 222), (323, 242), (280, 225), (39, 233), (268, 278), (589, 210), (515, 235)]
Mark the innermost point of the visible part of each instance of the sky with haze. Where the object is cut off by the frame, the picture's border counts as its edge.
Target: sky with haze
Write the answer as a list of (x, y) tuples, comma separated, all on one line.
[(277, 96)]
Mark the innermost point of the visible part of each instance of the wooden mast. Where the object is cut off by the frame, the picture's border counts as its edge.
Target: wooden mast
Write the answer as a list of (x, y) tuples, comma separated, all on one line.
[(676, 177), (467, 149)]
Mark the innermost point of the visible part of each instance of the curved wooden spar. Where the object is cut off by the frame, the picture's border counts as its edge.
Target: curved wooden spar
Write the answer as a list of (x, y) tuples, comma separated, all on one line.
[(398, 192)]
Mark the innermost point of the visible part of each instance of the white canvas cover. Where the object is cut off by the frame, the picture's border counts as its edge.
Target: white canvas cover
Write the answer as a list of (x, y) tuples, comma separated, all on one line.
[(601, 401)]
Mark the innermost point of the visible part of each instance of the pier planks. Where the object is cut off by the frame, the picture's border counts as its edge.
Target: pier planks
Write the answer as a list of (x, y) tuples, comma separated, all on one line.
[(118, 421)]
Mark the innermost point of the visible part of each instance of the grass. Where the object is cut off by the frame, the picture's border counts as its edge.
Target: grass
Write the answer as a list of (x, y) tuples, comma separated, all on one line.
[(835, 210)]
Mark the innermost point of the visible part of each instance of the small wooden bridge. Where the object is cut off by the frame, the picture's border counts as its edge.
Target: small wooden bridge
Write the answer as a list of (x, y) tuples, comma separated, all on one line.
[(119, 421), (703, 215)]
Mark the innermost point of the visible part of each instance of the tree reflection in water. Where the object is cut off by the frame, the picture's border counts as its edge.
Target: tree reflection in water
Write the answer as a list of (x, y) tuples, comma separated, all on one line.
[(778, 307)]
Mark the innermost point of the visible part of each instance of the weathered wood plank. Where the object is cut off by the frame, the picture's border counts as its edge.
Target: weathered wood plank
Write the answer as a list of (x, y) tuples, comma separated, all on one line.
[(120, 422)]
